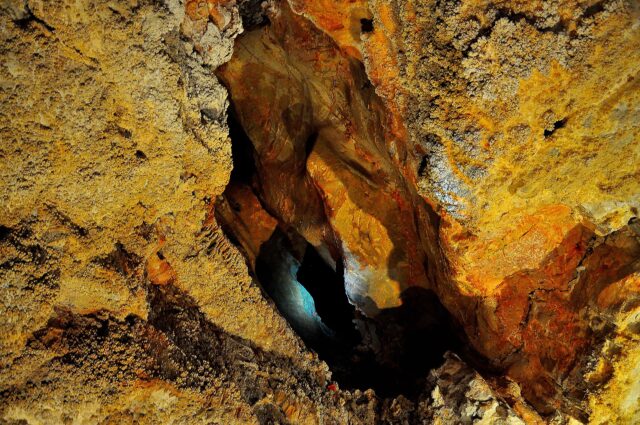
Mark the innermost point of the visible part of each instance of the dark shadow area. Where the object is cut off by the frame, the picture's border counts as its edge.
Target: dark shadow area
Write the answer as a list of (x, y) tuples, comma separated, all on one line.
[(178, 344), (556, 126), (253, 13), (414, 338), (244, 167), (391, 353), (326, 286)]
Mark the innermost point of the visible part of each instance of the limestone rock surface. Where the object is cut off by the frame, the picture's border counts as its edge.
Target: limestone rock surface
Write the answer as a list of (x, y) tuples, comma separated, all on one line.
[(483, 154)]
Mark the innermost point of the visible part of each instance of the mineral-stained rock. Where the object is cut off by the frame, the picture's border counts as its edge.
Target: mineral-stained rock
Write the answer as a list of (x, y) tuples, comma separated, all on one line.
[(113, 147), (460, 395), (482, 156), (324, 161), (515, 113)]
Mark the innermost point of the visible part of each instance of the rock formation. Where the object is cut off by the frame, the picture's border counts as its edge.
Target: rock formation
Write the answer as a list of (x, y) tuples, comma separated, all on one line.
[(332, 211)]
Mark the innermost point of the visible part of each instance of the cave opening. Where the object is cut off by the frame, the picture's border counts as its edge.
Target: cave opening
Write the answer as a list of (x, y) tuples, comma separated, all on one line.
[(556, 126), (366, 25), (326, 286), (310, 296), (391, 353), (301, 272)]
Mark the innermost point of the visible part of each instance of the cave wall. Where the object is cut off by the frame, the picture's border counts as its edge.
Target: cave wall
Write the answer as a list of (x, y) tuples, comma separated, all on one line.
[(114, 146), (520, 124), (485, 150)]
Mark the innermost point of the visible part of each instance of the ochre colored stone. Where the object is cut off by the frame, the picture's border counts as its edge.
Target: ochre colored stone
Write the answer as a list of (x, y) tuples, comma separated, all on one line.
[(485, 150), (325, 160)]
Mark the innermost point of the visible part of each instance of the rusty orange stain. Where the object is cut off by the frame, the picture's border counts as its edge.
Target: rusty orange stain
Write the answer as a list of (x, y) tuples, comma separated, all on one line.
[(159, 271)]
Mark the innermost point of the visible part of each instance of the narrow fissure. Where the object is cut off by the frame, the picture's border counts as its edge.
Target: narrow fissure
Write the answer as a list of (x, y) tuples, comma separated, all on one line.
[(326, 286), (241, 151)]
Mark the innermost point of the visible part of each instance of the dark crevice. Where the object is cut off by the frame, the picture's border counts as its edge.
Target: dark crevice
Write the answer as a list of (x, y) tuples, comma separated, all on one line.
[(594, 9), (366, 25), (556, 126), (515, 17), (253, 13), (124, 132), (120, 260), (4, 232), (29, 16), (242, 152), (276, 269), (422, 168), (326, 286), (66, 221), (310, 143)]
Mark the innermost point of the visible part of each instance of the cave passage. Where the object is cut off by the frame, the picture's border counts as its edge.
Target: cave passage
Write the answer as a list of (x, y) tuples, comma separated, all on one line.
[(326, 286), (277, 268), (284, 141), (391, 353)]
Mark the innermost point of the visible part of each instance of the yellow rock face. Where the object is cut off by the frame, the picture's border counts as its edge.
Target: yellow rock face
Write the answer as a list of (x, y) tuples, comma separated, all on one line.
[(114, 147), (619, 367), (520, 115)]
